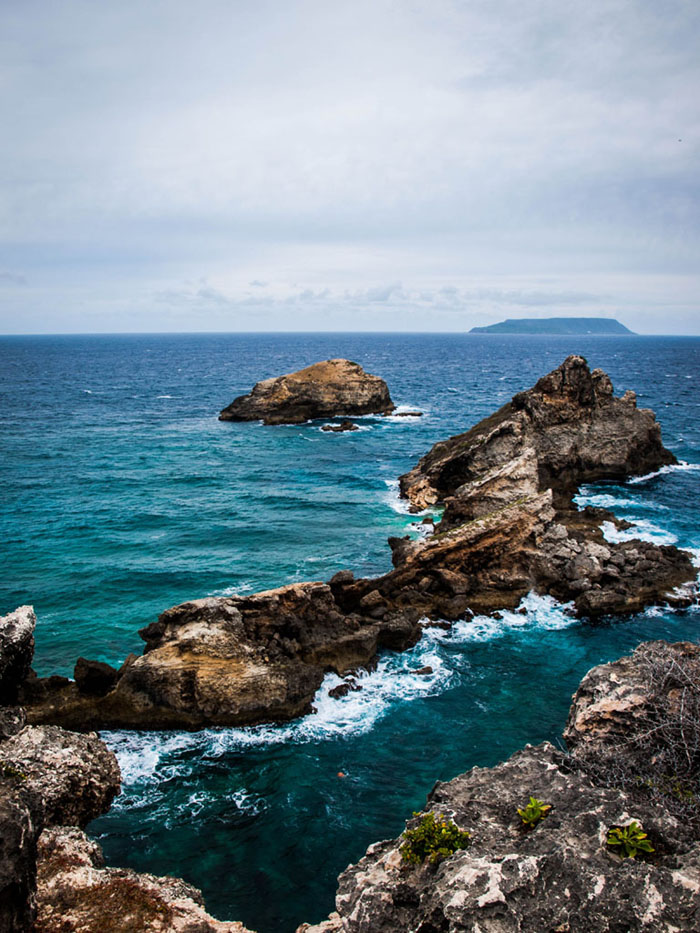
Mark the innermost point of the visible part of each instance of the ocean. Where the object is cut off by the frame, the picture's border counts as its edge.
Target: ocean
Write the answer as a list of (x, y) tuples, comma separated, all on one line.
[(123, 495)]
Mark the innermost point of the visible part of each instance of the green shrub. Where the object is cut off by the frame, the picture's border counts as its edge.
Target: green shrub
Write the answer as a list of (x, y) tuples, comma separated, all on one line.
[(435, 838), (535, 811), (8, 770), (630, 838)]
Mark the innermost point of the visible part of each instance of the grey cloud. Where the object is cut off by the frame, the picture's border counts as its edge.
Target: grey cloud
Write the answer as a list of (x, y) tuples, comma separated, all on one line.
[(12, 278), (462, 149)]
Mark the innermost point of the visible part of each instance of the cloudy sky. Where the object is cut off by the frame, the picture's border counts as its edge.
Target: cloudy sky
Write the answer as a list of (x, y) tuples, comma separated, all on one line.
[(172, 165)]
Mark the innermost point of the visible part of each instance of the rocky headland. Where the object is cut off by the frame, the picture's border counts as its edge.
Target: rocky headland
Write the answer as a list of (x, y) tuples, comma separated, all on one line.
[(323, 390), (630, 722), (509, 527)]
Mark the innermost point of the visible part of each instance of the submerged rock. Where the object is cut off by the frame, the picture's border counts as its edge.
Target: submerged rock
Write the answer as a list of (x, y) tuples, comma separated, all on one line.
[(343, 426), (323, 390), (559, 875)]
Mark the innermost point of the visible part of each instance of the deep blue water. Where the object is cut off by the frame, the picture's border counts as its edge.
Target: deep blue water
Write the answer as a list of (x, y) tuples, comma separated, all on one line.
[(123, 495)]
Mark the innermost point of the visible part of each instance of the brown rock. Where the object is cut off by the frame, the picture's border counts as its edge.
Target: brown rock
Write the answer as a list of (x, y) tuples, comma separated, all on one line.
[(77, 894), (343, 426), (323, 390), (94, 678)]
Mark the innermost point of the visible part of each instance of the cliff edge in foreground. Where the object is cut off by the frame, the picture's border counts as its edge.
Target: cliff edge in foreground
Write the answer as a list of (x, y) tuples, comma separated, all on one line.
[(560, 875)]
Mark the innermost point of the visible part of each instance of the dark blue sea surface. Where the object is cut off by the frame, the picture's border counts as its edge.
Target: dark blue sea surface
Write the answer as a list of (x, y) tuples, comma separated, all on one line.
[(123, 494)]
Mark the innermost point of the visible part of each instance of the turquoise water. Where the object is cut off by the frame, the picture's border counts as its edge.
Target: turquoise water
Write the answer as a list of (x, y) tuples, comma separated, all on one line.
[(123, 495)]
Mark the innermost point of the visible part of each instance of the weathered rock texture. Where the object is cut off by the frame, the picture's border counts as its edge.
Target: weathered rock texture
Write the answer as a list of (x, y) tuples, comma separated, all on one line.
[(231, 661), (567, 430), (47, 776), (21, 821), (58, 781), (77, 894), (76, 776), (560, 876), (509, 527), (16, 651), (323, 390)]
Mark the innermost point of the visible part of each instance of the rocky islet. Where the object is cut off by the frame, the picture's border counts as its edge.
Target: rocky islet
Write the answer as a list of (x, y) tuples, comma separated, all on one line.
[(322, 390)]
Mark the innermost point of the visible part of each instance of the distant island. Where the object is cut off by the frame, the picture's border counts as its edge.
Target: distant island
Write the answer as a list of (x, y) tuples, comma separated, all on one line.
[(568, 326)]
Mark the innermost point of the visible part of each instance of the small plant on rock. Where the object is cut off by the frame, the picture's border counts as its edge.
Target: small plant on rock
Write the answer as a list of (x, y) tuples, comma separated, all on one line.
[(8, 770), (535, 811), (435, 838), (630, 838)]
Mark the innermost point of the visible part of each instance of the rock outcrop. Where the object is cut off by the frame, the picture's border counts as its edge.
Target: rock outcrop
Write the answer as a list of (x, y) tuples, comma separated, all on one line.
[(77, 894), (47, 776), (16, 651), (567, 430), (323, 390), (232, 661), (509, 527), (561, 875), (76, 776)]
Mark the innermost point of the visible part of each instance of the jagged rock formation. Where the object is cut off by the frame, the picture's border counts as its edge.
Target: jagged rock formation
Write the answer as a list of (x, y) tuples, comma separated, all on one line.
[(76, 776), (77, 893), (509, 527), (567, 430), (561, 875), (232, 661), (323, 390)]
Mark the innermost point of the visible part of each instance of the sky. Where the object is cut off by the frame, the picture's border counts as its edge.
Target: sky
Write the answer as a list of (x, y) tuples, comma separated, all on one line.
[(323, 165)]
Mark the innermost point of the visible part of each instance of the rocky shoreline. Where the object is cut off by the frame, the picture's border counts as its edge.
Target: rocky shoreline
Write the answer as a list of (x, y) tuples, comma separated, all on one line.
[(509, 527), (52, 784), (633, 737), (560, 875)]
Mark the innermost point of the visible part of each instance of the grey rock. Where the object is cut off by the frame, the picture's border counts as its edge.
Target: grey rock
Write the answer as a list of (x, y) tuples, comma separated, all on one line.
[(75, 776), (16, 651)]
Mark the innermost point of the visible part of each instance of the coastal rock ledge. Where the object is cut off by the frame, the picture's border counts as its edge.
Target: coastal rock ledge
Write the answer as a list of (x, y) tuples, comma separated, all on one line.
[(561, 876), (323, 390)]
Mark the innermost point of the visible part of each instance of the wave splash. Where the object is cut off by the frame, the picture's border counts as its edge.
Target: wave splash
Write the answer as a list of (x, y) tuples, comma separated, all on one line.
[(152, 758)]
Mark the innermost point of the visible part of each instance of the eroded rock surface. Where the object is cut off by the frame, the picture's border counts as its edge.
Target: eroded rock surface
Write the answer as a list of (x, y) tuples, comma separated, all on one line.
[(567, 430), (21, 822), (232, 661), (76, 776), (16, 651), (323, 390), (561, 875), (77, 894)]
